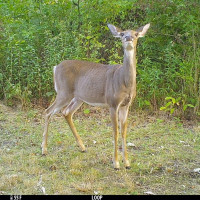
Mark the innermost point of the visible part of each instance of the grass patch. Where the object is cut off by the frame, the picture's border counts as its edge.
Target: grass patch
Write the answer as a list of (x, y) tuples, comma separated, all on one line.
[(162, 160)]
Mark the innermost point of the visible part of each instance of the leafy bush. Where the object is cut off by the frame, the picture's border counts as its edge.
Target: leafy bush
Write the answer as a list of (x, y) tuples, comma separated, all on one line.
[(36, 35)]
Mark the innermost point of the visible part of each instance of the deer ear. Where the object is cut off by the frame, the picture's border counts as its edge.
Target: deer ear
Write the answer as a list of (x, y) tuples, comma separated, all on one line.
[(142, 30), (114, 30)]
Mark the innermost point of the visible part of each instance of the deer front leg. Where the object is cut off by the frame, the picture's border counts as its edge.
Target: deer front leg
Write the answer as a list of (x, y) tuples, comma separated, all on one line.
[(123, 113), (68, 113), (114, 119)]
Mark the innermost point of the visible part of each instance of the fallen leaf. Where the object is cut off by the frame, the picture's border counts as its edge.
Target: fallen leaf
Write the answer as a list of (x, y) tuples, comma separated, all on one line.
[(2, 192), (130, 144), (40, 181), (39, 184), (197, 170), (53, 167), (43, 190), (149, 193), (137, 183), (169, 170)]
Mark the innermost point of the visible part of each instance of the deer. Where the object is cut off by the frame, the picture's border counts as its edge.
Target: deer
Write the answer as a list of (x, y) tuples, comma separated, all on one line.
[(77, 82)]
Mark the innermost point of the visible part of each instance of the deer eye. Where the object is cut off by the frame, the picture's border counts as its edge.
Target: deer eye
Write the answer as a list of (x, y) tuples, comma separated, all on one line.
[(122, 34)]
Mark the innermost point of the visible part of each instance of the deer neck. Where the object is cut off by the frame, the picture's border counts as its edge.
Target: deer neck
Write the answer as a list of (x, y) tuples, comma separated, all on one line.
[(129, 67)]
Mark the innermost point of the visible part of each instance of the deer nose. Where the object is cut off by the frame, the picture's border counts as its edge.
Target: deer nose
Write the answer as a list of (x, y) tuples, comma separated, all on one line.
[(128, 38)]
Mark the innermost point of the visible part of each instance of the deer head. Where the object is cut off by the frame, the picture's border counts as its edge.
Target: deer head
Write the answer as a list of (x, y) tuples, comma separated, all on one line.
[(129, 37)]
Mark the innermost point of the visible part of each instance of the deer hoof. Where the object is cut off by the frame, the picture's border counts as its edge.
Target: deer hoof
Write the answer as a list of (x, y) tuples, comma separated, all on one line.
[(116, 165), (44, 152), (127, 164), (128, 167)]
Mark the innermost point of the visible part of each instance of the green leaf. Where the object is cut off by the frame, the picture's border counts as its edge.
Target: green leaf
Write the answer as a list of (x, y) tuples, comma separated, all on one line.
[(86, 111), (1, 76), (178, 99), (147, 102), (185, 107), (88, 37), (49, 94), (168, 104), (169, 98), (172, 110), (162, 108), (190, 105)]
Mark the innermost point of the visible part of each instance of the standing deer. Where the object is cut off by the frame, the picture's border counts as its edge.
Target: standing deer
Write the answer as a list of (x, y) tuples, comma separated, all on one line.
[(98, 84)]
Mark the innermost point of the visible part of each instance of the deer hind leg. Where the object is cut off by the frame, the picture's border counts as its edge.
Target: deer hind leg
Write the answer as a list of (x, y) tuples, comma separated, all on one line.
[(123, 113), (49, 112), (68, 114), (114, 119)]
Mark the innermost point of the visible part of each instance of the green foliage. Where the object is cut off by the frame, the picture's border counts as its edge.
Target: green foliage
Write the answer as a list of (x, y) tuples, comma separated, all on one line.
[(37, 35), (173, 104), (168, 56), (86, 111)]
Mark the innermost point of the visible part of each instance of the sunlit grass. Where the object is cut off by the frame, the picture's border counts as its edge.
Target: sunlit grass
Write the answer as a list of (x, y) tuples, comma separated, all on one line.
[(162, 160)]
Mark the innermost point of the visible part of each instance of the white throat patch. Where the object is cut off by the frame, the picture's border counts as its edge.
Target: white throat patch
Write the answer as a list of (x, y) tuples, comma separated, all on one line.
[(130, 54)]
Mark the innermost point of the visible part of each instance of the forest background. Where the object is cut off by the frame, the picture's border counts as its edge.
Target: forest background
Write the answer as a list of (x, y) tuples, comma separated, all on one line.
[(36, 35)]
